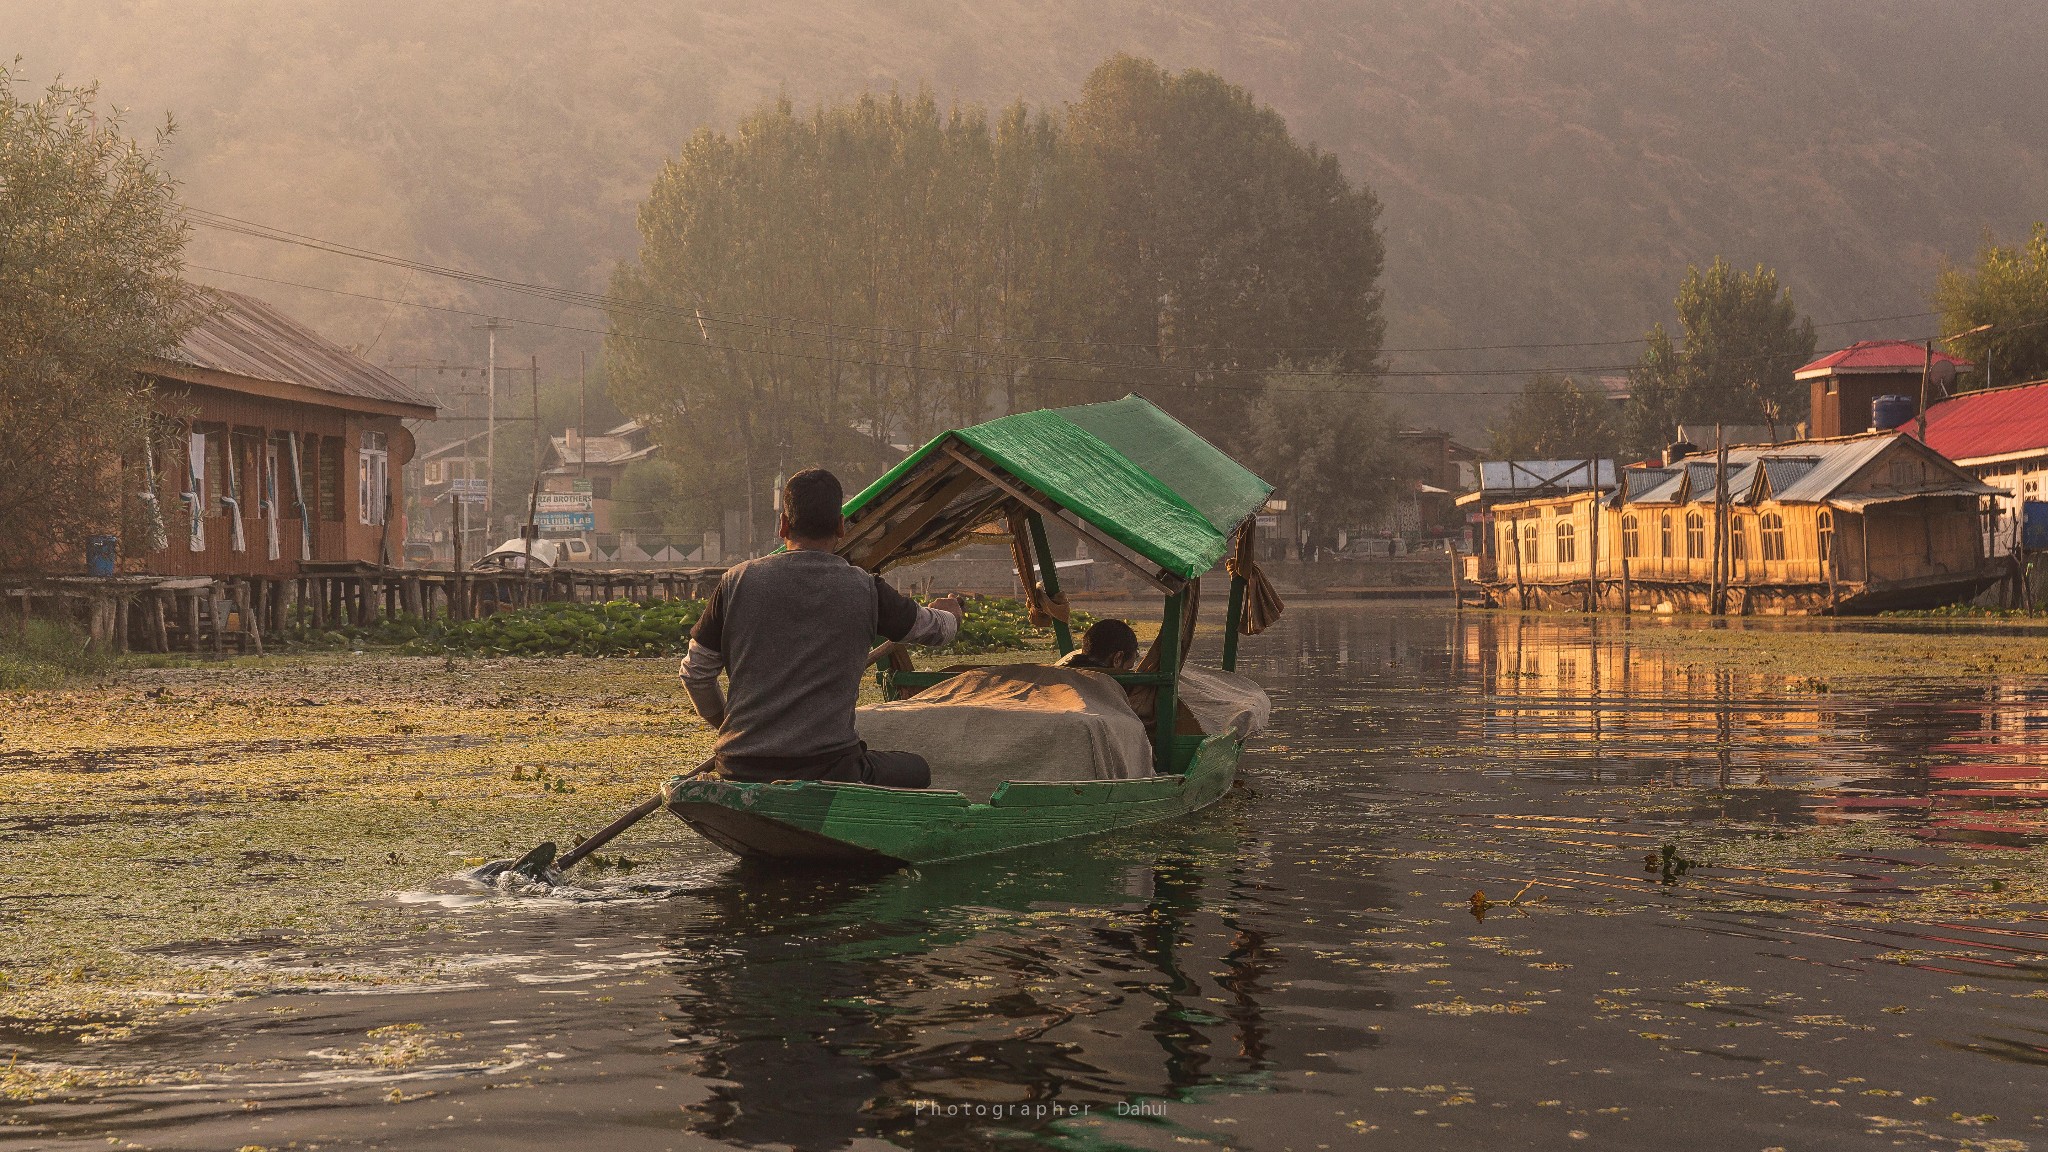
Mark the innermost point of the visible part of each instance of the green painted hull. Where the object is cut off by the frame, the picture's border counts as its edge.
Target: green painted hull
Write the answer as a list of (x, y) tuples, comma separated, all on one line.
[(814, 822)]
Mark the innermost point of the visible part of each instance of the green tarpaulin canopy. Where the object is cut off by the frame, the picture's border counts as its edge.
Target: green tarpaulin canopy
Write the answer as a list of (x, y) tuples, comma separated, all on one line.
[(1123, 473)]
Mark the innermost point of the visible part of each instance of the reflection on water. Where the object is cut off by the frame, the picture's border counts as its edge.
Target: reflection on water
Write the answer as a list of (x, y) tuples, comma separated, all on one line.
[(934, 1006), (1303, 965)]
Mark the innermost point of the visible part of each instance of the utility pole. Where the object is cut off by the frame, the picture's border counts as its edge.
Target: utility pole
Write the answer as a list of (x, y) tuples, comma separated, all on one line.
[(532, 533), (491, 327), (583, 414)]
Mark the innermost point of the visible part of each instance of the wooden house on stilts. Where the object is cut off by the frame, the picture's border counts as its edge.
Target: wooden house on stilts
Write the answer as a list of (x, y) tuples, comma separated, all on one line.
[(1851, 525)]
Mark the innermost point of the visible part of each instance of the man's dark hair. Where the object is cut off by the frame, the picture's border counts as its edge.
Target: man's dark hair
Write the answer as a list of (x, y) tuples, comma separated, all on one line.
[(1107, 638), (811, 499)]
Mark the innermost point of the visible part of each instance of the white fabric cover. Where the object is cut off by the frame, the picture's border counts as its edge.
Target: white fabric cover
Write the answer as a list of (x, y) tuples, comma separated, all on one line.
[(1014, 722), (1216, 698)]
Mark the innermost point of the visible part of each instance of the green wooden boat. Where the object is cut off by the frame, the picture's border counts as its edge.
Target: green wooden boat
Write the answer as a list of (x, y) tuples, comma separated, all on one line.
[(1143, 490)]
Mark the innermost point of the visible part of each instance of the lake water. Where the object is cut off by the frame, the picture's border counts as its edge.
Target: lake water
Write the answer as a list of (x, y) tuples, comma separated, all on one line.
[(1305, 966)]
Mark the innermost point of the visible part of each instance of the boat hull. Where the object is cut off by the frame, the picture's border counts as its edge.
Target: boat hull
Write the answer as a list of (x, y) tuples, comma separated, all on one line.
[(815, 822)]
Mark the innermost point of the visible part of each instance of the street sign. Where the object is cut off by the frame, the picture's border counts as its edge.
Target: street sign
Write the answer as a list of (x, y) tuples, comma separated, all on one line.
[(566, 521), (468, 484), (472, 497), (563, 502)]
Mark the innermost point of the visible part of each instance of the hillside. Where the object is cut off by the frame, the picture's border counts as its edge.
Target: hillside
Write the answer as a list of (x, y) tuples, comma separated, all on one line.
[(1547, 167)]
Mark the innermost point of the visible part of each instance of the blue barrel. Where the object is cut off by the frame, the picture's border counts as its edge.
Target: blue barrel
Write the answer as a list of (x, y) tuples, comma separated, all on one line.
[(1888, 412), (100, 553), (2034, 525)]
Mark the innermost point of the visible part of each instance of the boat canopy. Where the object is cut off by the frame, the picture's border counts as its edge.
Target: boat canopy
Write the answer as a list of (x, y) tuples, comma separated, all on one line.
[(1122, 474)]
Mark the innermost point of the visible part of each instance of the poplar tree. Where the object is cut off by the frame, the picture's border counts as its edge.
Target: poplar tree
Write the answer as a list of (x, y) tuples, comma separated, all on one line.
[(2006, 288), (90, 289), (1740, 341)]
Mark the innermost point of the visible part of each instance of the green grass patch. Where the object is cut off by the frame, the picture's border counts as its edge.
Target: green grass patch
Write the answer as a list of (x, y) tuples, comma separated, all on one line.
[(51, 653)]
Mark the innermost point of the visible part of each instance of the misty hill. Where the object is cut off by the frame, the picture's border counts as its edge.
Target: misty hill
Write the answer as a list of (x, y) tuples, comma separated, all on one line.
[(1547, 167)]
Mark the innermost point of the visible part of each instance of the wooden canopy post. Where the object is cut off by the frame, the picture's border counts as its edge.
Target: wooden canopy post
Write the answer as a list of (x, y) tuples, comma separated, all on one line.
[(1233, 619), (1049, 579), (1169, 669)]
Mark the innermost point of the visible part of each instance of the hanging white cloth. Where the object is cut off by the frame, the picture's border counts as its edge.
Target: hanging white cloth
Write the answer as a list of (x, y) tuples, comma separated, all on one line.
[(268, 486), (230, 500), (155, 537), (299, 501), (195, 496)]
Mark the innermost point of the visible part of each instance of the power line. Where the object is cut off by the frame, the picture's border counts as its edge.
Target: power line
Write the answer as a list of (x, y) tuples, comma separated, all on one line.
[(1109, 379), (778, 325)]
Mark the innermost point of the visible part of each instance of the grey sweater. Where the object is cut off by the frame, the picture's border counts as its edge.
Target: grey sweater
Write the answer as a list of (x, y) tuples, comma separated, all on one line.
[(792, 632)]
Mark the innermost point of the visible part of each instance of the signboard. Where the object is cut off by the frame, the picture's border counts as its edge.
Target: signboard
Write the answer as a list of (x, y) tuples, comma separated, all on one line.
[(566, 521), (472, 497), (580, 484), (1269, 521), (469, 484), (563, 502)]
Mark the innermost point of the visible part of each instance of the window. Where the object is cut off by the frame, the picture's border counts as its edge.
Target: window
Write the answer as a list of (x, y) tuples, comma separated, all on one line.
[(1738, 541), (601, 487), (1630, 538), (1664, 533), (330, 475), (1528, 552), (309, 478), (1567, 544), (1827, 536), (434, 472), (373, 478), (216, 470), (1773, 526), (1695, 536)]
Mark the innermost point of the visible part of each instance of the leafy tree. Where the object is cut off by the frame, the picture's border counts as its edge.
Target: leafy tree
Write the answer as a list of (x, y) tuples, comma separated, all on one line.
[(1223, 240), (1740, 341), (2007, 288), (825, 288), (90, 289), (1327, 446), (1557, 418)]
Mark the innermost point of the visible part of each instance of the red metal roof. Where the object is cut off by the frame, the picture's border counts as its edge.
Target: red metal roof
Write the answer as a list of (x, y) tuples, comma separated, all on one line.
[(1875, 356), (1995, 423)]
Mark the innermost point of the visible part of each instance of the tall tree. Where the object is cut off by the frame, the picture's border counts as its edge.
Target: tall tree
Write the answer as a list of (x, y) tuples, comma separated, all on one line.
[(2006, 288), (822, 288), (1225, 242), (1557, 418), (1326, 443), (1740, 341), (90, 288)]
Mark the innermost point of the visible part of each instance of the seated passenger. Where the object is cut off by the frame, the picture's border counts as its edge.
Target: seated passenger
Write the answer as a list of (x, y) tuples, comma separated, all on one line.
[(1107, 646)]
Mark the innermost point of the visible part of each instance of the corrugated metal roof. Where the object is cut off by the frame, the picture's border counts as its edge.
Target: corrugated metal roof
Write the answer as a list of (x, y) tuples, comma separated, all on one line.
[(1826, 465), (1640, 480), (2000, 422), (1702, 435), (1782, 472), (1511, 476), (1876, 356), (1834, 462), (243, 336), (599, 450)]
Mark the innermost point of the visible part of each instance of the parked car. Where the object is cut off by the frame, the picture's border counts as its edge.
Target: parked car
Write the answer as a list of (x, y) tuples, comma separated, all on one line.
[(512, 556), (517, 555)]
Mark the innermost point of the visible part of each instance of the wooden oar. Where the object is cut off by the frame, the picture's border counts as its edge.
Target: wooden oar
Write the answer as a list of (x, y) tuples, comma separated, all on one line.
[(536, 865)]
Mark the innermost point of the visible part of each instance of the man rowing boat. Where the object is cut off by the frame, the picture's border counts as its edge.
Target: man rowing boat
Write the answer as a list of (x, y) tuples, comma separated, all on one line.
[(792, 632)]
